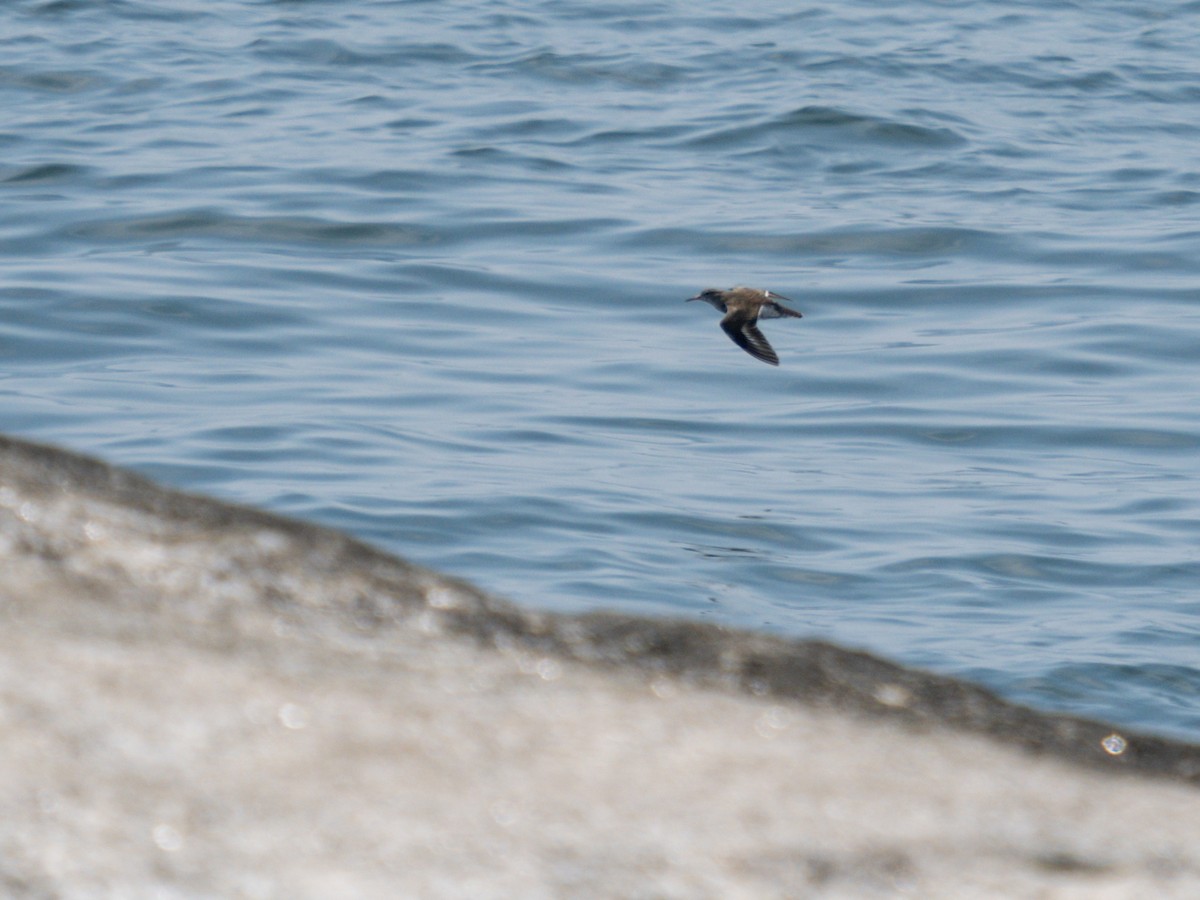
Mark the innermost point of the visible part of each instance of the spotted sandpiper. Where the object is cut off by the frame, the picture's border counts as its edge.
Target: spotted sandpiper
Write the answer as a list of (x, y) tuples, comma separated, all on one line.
[(743, 307)]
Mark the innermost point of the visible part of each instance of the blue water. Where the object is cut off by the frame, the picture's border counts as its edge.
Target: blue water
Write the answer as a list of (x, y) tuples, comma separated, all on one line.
[(417, 269)]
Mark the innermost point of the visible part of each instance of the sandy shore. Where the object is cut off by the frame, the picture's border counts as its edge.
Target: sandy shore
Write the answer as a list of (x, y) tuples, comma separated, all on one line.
[(202, 700)]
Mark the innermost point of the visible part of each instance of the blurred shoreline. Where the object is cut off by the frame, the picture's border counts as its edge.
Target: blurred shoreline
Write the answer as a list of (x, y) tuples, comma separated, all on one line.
[(208, 698)]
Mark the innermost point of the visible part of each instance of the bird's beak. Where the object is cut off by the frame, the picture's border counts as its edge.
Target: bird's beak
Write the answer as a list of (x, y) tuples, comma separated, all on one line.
[(690, 299)]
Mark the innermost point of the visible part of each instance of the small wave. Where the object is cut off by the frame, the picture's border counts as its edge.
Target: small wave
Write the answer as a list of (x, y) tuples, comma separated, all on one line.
[(45, 172), (326, 52), (822, 124), (216, 225), (913, 242), (620, 69)]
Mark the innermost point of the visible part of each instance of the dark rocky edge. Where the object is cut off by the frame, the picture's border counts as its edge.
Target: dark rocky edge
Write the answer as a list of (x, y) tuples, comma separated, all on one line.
[(376, 591)]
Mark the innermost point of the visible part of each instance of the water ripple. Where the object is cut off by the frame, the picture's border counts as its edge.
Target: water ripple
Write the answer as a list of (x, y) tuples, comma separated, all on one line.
[(418, 270)]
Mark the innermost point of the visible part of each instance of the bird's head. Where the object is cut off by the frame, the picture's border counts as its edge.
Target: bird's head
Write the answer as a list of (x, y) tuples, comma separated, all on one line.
[(711, 295)]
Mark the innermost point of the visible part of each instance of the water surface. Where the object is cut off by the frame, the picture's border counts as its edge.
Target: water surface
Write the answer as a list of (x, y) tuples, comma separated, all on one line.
[(416, 270)]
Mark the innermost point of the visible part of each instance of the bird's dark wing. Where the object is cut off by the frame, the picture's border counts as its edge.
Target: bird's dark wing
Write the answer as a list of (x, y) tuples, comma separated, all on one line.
[(744, 332)]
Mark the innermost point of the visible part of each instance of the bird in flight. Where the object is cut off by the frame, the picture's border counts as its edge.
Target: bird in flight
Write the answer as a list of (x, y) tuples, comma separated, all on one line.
[(743, 307)]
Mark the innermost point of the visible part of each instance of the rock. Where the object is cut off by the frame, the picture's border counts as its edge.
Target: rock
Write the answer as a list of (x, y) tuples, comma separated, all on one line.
[(205, 700)]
